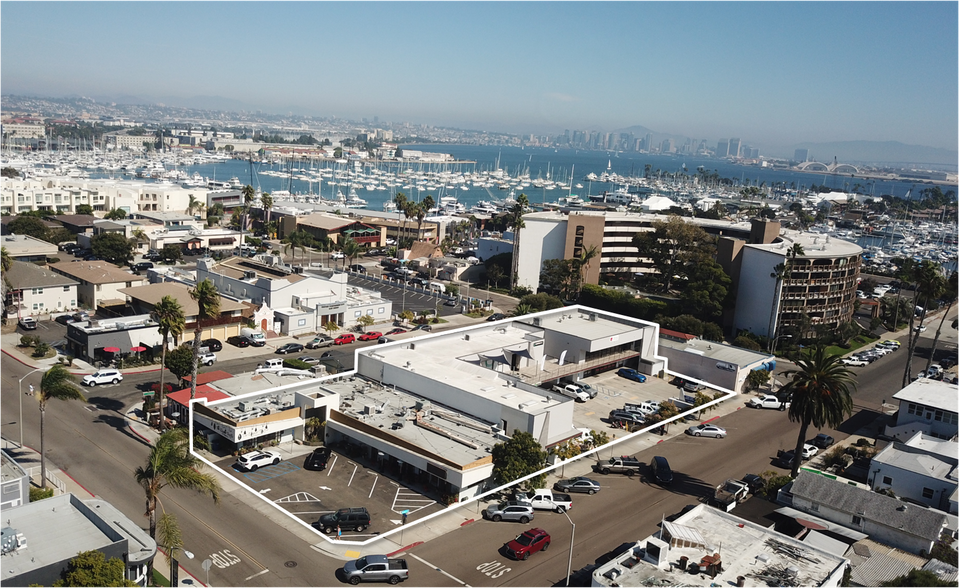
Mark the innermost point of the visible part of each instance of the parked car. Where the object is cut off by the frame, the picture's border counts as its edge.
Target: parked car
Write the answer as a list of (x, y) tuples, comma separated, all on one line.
[(371, 336), (754, 482), (855, 362), (238, 341), (64, 319), (207, 359), (212, 344), (289, 348), (419, 281), (704, 430), (423, 327), (631, 374), (768, 401), (822, 441), (326, 355), (808, 451), (106, 376), (511, 510), (320, 341), (450, 302), (358, 268), (577, 484), (307, 359), (344, 339), (622, 416), (496, 316), (528, 543), (143, 265), (395, 331), (317, 459), (347, 519), (254, 460), (337, 255), (376, 568), (660, 471), (28, 323), (919, 328)]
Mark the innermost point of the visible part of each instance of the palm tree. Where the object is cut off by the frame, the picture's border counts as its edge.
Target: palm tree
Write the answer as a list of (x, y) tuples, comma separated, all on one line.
[(782, 272), (208, 306), (351, 249), (296, 239), (930, 285), (515, 220), (409, 211), (7, 261), (522, 309), (401, 201), (267, 202), (56, 383), (194, 205), (171, 464), (583, 261), (820, 393), (170, 321), (950, 293)]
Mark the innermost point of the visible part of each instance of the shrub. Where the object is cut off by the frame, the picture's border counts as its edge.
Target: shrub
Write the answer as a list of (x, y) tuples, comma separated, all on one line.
[(29, 340), (296, 364), (863, 442), (41, 350), (40, 493), (167, 387), (774, 482)]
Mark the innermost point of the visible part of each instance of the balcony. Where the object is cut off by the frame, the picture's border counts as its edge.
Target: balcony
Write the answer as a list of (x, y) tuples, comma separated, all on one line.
[(553, 371)]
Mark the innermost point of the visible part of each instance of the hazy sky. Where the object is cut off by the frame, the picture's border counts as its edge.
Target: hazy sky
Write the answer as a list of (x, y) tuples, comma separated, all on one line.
[(774, 73)]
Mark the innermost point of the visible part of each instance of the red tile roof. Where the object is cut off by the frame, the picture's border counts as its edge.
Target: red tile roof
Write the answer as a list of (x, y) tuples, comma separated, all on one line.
[(182, 397)]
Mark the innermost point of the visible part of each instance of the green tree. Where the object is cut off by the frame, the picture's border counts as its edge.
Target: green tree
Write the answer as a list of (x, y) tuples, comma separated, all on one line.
[(366, 320), (707, 291), (522, 309), (298, 240), (821, 394), (331, 327), (917, 577), (59, 235), (930, 284), (84, 209), (194, 206), (208, 304), (112, 247), (674, 246), (746, 343), (515, 220), (5, 259), (170, 321), (9, 172), (950, 291), (757, 379), (351, 249), (27, 225), (540, 302), (56, 383), (267, 201), (116, 214), (171, 253), (179, 361), (171, 464), (494, 274), (92, 568), (518, 457)]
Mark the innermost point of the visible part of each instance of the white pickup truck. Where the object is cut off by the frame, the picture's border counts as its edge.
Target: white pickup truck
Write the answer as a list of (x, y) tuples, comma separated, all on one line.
[(546, 499), (573, 391), (768, 401)]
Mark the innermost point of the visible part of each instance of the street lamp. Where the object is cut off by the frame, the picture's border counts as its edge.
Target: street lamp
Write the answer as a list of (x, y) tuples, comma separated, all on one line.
[(572, 537), (173, 562), (20, 384), (772, 348)]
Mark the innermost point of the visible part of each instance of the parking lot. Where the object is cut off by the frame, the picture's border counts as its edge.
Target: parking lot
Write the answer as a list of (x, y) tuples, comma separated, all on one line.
[(345, 483), (613, 392)]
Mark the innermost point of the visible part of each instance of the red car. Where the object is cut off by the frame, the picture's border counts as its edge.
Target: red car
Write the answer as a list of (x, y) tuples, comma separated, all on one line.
[(529, 542), (344, 339), (371, 336), (395, 331)]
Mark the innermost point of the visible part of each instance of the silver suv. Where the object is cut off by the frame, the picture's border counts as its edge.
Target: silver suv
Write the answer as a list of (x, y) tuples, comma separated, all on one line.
[(509, 511), (208, 358)]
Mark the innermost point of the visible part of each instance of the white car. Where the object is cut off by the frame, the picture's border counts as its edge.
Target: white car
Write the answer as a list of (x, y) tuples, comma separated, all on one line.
[(809, 450), (881, 350), (108, 376), (854, 362), (207, 358), (706, 431), (256, 459), (767, 401), (337, 255), (920, 328)]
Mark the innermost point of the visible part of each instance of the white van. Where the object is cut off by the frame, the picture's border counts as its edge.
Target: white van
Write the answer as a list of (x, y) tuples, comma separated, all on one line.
[(256, 336), (437, 287), (272, 364)]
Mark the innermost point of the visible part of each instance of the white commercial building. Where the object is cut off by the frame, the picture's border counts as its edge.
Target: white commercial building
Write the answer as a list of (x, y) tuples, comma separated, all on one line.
[(64, 194)]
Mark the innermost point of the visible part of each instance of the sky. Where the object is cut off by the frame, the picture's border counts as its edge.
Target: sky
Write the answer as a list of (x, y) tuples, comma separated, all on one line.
[(768, 72)]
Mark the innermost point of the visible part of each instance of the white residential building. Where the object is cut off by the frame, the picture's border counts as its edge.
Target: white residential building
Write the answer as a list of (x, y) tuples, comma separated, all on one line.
[(34, 290), (100, 282), (922, 469), (63, 194), (926, 406)]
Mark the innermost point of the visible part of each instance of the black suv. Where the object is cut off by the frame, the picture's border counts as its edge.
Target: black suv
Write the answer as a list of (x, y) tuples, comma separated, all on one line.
[(239, 341), (660, 471), (347, 519), (213, 344)]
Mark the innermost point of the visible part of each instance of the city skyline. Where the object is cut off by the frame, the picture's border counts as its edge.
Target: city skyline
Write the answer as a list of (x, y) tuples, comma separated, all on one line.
[(772, 74)]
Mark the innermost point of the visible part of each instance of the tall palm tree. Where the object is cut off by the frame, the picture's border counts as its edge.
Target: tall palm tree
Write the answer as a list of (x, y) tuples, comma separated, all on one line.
[(821, 391), (351, 249), (904, 273), (208, 306), (782, 273), (400, 200), (171, 464), (583, 261), (950, 292), (930, 285), (59, 384), (267, 202), (6, 259), (170, 320), (409, 211), (515, 220)]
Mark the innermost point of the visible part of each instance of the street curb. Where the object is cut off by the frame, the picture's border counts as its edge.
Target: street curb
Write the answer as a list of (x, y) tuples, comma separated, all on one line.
[(132, 430), (78, 484), (402, 549)]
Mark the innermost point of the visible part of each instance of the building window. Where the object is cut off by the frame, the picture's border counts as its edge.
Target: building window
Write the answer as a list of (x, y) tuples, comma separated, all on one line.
[(914, 409), (382, 310), (856, 520), (37, 291), (301, 323), (66, 288), (814, 507), (887, 480), (357, 313), (369, 311)]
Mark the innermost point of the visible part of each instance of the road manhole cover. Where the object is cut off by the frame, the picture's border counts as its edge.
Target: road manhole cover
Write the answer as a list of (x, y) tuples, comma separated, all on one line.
[(91, 408), (290, 564)]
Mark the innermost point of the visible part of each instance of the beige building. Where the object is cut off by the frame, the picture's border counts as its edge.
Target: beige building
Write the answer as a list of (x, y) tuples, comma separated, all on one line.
[(100, 282), (143, 298)]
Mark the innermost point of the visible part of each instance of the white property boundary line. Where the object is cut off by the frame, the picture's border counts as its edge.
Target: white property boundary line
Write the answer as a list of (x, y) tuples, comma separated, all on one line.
[(729, 394)]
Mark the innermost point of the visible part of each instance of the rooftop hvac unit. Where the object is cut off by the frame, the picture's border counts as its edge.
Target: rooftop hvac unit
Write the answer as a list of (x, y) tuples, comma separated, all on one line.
[(369, 409), (249, 275), (244, 406), (12, 540), (297, 269)]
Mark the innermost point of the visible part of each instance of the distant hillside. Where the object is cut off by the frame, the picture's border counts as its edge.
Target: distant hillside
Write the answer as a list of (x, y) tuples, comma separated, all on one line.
[(878, 152)]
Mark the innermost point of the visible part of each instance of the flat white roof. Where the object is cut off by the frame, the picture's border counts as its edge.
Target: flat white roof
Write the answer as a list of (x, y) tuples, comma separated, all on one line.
[(930, 393)]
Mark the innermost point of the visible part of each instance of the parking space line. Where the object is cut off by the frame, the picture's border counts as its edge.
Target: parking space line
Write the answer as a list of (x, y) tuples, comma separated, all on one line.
[(440, 570), (330, 468), (355, 467), (375, 478)]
